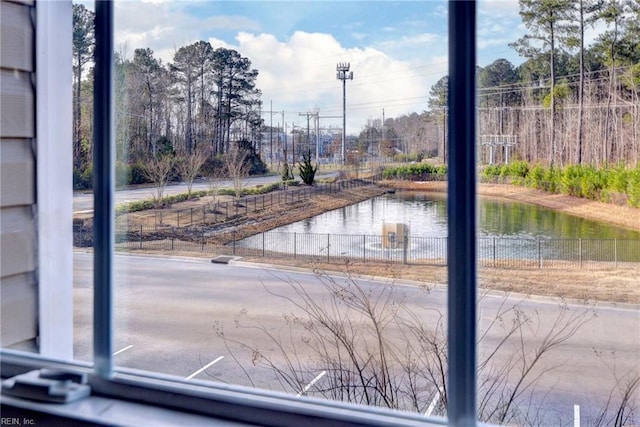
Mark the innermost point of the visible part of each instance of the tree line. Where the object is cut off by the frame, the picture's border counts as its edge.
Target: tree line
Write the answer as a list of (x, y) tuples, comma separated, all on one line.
[(567, 103), (203, 104)]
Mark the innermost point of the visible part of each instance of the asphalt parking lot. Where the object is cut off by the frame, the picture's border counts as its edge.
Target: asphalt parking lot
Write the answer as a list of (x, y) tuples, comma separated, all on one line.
[(168, 312)]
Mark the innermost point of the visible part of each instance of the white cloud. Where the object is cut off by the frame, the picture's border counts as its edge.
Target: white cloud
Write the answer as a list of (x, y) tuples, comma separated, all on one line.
[(167, 26), (299, 74), (419, 41), (499, 24)]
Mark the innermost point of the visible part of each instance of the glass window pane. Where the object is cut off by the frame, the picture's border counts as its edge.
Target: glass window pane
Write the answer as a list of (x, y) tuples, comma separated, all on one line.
[(556, 346), (264, 88)]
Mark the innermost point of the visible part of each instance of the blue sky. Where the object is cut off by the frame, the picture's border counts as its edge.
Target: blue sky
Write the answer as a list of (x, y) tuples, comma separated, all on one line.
[(397, 49)]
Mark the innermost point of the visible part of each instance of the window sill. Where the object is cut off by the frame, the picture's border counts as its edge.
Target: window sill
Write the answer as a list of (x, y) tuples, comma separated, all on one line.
[(136, 398)]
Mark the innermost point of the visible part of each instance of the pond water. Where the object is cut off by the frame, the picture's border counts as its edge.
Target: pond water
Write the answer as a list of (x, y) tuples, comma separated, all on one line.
[(508, 232), (426, 216)]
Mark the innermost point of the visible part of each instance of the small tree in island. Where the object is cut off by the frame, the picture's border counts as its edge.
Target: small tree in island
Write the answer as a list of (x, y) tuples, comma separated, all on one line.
[(159, 170), (287, 175), (188, 165), (307, 170)]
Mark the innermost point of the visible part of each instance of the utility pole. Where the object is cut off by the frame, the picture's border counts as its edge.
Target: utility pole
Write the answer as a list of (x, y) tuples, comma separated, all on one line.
[(342, 73), (316, 122), (284, 133), (271, 134), (383, 137), (308, 115), (318, 117), (293, 143), (271, 113)]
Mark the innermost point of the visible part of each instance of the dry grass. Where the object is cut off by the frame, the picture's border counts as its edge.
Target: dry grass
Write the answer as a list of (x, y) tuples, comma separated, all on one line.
[(597, 283)]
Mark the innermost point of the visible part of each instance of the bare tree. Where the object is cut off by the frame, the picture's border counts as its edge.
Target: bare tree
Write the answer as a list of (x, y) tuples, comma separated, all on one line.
[(160, 170), (214, 182), (235, 161), (188, 166), (372, 349), (618, 413)]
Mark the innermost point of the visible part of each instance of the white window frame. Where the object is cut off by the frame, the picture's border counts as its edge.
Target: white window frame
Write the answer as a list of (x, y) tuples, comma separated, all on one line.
[(54, 168)]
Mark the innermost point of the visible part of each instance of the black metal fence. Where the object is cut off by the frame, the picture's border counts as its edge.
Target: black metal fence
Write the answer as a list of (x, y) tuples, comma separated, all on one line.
[(498, 252), (219, 212)]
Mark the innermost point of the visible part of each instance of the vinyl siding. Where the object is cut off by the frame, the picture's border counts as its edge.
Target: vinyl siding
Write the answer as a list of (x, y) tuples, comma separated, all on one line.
[(18, 282)]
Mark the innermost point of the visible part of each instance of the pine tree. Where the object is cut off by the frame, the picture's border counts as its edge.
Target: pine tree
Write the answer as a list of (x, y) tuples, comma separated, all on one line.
[(307, 170)]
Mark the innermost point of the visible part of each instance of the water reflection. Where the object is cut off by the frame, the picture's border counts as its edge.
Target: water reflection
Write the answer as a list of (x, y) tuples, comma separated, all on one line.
[(426, 216)]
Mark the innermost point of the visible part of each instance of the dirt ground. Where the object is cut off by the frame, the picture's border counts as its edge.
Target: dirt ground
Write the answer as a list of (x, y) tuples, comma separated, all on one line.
[(606, 283)]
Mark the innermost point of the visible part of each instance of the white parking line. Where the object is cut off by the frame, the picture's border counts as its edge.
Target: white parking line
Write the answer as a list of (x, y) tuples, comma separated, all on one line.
[(202, 369), (124, 349), (433, 404), (308, 386)]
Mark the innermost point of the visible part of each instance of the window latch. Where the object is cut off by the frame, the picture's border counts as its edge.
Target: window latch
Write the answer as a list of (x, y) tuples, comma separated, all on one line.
[(48, 385)]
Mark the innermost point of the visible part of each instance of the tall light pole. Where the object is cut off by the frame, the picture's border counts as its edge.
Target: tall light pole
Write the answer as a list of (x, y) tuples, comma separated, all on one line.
[(342, 73)]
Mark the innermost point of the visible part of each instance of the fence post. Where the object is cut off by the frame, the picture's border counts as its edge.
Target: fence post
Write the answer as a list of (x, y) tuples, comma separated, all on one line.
[(294, 245), (234, 242), (494, 251), (191, 216), (173, 236), (140, 236), (539, 253), (405, 248), (178, 218), (364, 248), (263, 244), (202, 246), (328, 244), (615, 253), (580, 251)]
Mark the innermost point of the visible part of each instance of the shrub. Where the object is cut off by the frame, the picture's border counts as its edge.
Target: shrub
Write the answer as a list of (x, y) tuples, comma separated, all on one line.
[(535, 177), (633, 188), (619, 179), (136, 173), (551, 180), (414, 172), (519, 169), (490, 172), (307, 170), (570, 180), (83, 180)]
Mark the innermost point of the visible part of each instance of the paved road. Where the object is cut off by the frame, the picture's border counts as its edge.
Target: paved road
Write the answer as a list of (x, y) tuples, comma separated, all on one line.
[(83, 200), (167, 310)]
